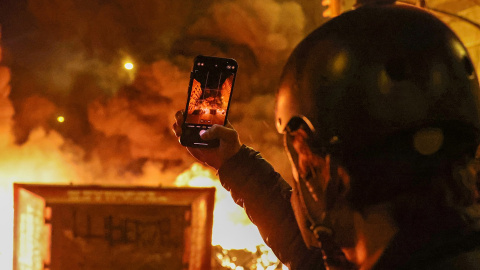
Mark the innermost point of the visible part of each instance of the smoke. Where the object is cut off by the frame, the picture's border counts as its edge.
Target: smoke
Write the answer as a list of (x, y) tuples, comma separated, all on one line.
[(141, 115), (6, 107), (268, 28), (69, 62)]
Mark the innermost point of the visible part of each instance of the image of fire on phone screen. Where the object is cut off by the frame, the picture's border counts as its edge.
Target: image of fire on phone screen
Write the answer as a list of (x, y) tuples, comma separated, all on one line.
[(209, 94)]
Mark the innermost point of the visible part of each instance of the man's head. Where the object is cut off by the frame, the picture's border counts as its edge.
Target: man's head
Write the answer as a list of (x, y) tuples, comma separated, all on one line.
[(375, 104)]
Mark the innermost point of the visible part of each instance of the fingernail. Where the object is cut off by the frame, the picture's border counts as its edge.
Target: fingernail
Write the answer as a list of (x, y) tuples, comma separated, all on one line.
[(178, 114)]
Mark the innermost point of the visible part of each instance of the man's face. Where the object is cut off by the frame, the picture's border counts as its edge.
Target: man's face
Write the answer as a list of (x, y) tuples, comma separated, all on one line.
[(320, 182), (323, 186)]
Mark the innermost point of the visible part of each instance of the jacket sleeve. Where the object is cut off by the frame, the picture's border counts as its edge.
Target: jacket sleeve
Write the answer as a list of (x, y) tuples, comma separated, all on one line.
[(265, 196)]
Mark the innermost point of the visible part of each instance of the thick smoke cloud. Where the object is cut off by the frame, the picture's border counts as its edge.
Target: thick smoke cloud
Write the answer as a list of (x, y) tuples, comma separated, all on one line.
[(69, 61), (266, 27)]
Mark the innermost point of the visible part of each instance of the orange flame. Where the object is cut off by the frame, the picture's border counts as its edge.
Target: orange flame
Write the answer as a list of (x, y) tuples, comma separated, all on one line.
[(43, 160), (38, 159), (228, 217), (232, 229)]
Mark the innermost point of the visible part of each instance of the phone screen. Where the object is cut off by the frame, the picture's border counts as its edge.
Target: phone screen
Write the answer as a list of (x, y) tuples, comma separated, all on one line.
[(210, 91)]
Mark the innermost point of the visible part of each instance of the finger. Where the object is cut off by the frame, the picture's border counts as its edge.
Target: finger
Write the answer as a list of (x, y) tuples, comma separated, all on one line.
[(179, 117), (177, 129)]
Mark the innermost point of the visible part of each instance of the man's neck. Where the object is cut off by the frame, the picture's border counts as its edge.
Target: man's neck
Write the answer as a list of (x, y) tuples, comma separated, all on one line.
[(374, 231)]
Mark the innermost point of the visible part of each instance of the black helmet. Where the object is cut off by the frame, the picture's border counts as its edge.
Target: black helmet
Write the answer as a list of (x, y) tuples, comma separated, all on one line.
[(382, 89), (377, 70)]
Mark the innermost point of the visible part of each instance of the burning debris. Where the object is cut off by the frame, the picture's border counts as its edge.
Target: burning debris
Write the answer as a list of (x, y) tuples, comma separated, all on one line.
[(262, 258), (236, 241), (106, 227)]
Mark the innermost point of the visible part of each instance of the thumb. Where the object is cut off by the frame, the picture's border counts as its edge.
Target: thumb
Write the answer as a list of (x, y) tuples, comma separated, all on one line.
[(219, 132)]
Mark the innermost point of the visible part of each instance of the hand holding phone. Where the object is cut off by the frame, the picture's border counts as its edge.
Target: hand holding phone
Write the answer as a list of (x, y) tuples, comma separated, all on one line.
[(209, 94), (214, 157)]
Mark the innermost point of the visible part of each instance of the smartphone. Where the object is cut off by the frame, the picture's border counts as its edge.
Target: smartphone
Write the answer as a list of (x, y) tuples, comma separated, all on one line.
[(209, 94)]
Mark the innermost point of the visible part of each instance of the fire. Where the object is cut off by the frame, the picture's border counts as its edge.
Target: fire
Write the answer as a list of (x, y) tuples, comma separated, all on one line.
[(43, 159), (228, 216), (39, 159), (232, 229)]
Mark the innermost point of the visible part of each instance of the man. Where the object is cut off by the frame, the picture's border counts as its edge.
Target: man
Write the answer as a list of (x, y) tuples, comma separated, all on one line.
[(379, 107)]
